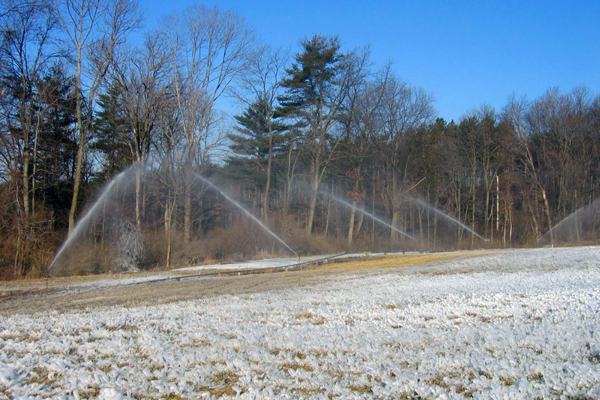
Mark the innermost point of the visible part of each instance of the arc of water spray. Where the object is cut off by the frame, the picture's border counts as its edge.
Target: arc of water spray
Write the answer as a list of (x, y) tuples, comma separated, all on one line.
[(422, 203), (248, 213), (81, 223), (366, 213), (567, 218)]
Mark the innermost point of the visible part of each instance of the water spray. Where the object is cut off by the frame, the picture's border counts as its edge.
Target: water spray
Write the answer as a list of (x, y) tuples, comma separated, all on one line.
[(422, 203), (366, 213), (574, 215), (88, 215), (248, 213)]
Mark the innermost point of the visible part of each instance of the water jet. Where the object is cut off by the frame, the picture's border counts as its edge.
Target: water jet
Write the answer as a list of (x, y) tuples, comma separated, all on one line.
[(83, 221), (573, 227), (248, 213), (344, 202), (444, 215)]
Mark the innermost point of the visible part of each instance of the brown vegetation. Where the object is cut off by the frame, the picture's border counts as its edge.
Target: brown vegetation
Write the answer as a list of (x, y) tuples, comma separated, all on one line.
[(15, 295)]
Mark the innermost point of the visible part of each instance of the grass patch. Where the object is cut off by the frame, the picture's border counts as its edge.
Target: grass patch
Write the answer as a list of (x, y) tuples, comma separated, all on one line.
[(312, 318), (507, 381), (225, 378), (537, 377), (41, 375), (17, 337), (173, 396), (297, 366), (223, 382), (91, 392), (308, 391), (217, 392), (397, 261), (460, 389), (362, 389), (106, 368)]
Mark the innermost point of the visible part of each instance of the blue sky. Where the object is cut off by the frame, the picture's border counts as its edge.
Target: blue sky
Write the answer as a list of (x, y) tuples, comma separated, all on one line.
[(466, 53)]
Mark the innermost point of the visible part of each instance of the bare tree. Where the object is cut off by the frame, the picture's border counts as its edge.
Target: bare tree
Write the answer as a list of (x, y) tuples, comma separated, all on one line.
[(170, 188), (140, 76), (365, 121), (210, 48), (516, 112), (405, 109), (28, 47), (94, 29)]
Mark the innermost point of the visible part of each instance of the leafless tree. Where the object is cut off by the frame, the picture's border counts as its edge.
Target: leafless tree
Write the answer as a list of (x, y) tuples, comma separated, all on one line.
[(365, 122), (516, 113), (209, 49), (94, 29), (28, 48), (140, 76), (405, 109)]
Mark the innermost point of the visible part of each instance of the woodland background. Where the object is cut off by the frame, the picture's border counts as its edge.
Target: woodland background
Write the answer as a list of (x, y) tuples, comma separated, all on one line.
[(79, 103)]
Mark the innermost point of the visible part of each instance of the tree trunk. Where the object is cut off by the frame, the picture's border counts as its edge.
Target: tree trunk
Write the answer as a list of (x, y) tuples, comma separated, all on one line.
[(473, 205), (361, 219), (290, 179), (187, 199), (327, 218), (351, 223), (547, 210), (268, 183), (138, 193), (313, 202), (168, 230), (420, 211), (81, 145), (77, 183), (26, 205), (395, 208), (487, 218)]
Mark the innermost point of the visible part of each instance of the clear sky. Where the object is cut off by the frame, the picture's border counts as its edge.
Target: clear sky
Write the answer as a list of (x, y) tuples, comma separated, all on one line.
[(466, 53)]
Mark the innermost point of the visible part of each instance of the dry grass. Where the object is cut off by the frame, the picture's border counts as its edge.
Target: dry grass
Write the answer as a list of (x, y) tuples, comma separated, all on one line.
[(296, 366), (385, 262), (175, 290), (39, 284)]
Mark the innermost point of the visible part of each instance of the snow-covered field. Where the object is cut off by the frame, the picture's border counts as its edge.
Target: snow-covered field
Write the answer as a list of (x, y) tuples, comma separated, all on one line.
[(520, 324)]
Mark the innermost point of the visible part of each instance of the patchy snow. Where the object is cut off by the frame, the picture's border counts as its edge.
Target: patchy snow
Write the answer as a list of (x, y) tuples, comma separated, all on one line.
[(281, 262), (516, 325), (127, 279), (258, 264)]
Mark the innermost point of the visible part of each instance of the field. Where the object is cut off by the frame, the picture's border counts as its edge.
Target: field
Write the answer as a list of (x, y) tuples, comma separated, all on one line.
[(510, 324)]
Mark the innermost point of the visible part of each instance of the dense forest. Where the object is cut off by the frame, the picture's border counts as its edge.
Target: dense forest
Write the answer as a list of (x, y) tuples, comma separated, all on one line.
[(321, 136)]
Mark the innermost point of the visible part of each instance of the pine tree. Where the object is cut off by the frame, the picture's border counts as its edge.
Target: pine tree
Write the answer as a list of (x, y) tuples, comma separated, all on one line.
[(316, 89), (110, 131), (259, 133)]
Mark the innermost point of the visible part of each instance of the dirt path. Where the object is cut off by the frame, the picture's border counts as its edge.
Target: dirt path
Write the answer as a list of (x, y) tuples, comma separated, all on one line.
[(173, 290)]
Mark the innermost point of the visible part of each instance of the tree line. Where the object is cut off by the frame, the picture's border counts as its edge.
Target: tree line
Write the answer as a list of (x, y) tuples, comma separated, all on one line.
[(322, 137)]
